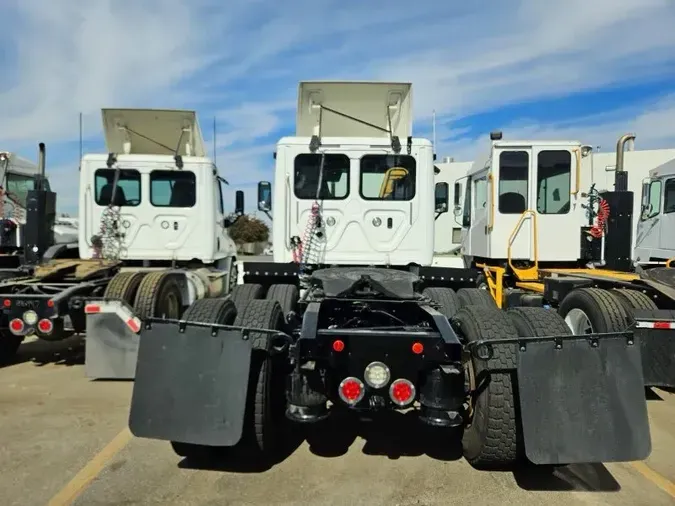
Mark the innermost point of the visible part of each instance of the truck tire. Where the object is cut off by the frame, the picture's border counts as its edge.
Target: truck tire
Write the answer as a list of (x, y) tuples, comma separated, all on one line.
[(159, 295), (286, 295), (537, 322), (492, 438), (446, 298), (632, 300), (266, 402), (593, 310), (476, 297), (220, 311), (124, 286), (242, 294)]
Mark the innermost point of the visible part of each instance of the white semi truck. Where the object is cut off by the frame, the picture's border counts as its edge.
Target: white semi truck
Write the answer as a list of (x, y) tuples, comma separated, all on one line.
[(153, 233)]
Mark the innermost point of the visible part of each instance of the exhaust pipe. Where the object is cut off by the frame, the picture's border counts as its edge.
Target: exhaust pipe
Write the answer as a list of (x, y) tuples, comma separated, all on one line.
[(42, 160), (619, 149)]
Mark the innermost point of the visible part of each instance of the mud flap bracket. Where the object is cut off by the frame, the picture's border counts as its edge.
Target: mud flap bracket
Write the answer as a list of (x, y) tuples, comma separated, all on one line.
[(191, 384), (582, 400)]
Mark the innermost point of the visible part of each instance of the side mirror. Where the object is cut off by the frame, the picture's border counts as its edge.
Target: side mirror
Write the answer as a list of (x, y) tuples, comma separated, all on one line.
[(239, 203), (442, 197), (645, 193), (458, 193), (264, 196)]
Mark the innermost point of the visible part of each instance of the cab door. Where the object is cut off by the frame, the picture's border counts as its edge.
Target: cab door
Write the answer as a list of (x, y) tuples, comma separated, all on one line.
[(553, 200), (512, 232), (648, 234)]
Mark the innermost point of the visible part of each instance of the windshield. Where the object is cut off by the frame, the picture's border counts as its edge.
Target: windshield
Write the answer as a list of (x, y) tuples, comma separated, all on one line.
[(18, 186)]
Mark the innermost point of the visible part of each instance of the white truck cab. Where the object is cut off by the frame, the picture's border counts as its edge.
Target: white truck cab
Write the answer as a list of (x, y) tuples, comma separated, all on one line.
[(353, 186), (156, 196), (655, 238), (523, 202)]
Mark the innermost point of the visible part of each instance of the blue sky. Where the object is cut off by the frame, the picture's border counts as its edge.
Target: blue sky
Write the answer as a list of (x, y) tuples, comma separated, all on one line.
[(533, 68)]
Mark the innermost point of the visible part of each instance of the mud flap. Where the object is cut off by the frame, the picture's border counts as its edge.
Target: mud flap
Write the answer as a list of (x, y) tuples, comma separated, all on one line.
[(190, 385), (656, 332), (111, 347), (583, 404)]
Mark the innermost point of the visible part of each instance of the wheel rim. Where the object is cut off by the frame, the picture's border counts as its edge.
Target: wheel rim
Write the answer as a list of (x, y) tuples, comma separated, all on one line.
[(170, 306), (578, 322)]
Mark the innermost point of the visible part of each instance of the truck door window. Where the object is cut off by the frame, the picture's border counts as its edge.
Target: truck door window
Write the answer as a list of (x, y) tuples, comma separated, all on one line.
[(335, 180), (172, 188), (653, 207), (669, 197), (128, 191), (513, 176), (387, 177), (554, 173)]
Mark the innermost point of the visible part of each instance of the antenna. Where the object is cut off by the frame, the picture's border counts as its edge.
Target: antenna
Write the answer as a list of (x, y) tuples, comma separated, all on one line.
[(214, 140), (433, 129), (80, 161)]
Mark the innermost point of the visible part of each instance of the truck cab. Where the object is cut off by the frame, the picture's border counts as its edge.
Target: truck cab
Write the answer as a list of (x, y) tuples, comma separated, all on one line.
[(353, 186), (522, 202), (655, 237), (156, 196), (18, 176)]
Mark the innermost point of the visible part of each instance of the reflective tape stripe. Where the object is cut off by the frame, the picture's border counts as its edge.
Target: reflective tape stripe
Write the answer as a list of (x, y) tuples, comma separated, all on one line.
[(117, 307), (655, 325)]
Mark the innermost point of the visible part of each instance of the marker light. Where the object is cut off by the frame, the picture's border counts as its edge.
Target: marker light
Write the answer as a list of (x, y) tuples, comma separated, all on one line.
[(402, 392), (351, 390), (45, 326)]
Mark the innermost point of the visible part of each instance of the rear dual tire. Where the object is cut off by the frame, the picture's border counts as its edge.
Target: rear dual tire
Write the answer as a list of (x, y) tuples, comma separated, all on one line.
[(265, 402), (492, 438)]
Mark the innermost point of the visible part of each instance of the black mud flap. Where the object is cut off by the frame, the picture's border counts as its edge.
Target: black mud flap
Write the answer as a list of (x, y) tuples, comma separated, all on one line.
[(190, 386), (583, 404), (656, 332)]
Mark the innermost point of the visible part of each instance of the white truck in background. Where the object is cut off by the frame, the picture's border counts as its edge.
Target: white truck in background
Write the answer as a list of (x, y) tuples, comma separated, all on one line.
[(600, 165), (152, 238)]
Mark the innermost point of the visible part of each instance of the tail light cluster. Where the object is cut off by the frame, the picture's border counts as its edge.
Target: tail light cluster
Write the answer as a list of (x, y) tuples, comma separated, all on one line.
[(30, 318), (377, 375)]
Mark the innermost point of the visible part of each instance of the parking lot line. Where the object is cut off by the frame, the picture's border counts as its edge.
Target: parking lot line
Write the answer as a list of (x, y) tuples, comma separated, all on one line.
[(657, 479), (68, 494)]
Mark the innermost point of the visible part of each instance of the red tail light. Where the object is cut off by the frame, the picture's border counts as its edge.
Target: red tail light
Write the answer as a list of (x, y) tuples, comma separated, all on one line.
[(16, 326), (6, 302), (338, 345), (45, 326), (417, 348), (351, 390), (402, 392)]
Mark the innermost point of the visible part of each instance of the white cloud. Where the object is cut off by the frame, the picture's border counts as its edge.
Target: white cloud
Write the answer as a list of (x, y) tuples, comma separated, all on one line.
[(242, 62), (654, 126)]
